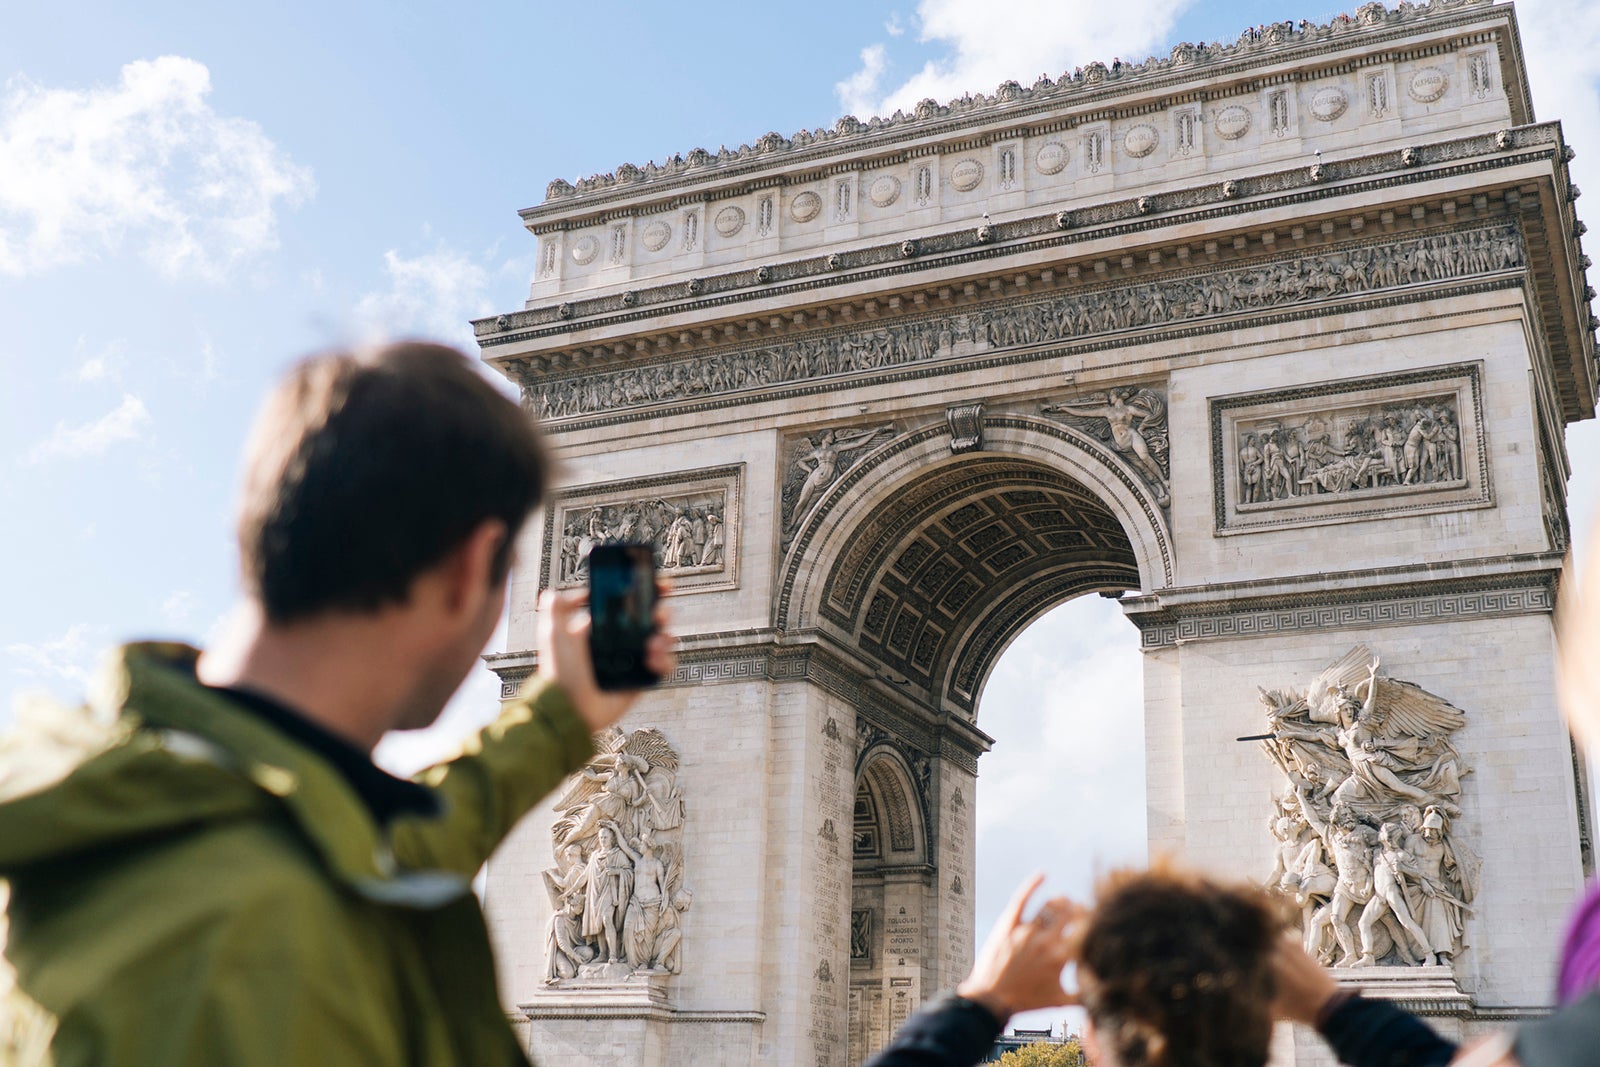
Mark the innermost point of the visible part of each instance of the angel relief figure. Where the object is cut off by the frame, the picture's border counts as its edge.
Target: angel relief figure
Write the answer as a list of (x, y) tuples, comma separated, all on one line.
[(816, 466), (1134, 421), (617, 888), (1374, 782)]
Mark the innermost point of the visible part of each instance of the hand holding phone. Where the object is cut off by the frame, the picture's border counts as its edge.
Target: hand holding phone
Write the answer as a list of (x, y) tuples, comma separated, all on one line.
[(622, 613)]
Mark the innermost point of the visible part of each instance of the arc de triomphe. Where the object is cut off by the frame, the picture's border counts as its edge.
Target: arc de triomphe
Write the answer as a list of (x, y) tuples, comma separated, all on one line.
[(1274, 340)]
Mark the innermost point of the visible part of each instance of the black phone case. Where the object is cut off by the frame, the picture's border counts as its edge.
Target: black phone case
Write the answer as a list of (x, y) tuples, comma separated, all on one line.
[(616, 641)]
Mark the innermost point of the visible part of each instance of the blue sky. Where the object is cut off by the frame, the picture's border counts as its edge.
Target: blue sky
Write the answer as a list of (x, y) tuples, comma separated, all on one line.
[(191, 198)]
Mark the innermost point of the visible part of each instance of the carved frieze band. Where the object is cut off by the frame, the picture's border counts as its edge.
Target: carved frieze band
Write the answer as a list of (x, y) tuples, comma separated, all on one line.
[(691, 517), (1239, 290), (1350, 449), (1422, 608)]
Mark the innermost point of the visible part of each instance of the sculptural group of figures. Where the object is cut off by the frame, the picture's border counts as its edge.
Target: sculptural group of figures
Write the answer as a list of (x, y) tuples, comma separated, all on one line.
[(1272, 284), (684, 534), (617, 888), (1409, 444), (1365, 845)]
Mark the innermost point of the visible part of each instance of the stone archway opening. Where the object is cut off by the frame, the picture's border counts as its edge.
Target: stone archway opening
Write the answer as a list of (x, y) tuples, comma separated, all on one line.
[(891, 880), (934, 582), (1063, 789), (937, 574)]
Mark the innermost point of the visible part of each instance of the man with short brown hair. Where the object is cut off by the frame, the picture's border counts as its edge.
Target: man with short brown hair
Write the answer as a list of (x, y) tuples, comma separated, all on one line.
[(205, 866)]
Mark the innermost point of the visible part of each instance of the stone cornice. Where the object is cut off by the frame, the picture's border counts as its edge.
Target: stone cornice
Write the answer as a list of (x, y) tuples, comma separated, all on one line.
[(1545, 205), (1099, 90), (1393, 596), (1296, 186), (767, 654)]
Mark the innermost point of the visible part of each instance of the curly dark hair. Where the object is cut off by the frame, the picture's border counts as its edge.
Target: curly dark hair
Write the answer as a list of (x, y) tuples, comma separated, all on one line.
[(1176, 969)]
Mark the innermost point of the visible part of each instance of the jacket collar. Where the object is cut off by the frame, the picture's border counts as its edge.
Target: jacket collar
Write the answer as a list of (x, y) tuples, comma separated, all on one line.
[(155, 683)]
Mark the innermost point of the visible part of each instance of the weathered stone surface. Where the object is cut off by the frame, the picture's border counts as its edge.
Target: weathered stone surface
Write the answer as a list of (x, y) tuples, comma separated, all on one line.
[(940, 372)]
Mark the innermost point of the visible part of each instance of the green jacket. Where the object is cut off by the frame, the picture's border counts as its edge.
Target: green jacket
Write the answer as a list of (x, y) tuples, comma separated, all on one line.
[(189, 886)]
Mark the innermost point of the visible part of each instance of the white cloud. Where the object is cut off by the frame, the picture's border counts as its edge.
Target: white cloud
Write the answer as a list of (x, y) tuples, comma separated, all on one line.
[(1065, 706), (104, 364), (67, 658), (144, 166), (126, 422), (1034, 37), (894, 27), (858, 94), (430, 295), (210, 369)]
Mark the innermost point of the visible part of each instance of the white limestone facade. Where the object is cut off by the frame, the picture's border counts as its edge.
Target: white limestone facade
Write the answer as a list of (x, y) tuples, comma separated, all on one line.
[(1022, 350)]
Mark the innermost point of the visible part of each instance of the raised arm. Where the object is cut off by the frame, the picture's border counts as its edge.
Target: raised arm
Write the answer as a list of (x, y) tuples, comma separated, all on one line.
[(1018, 969)]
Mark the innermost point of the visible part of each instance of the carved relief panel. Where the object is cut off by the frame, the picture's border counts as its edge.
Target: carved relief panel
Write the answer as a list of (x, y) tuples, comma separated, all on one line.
[(618, 888), (814, 462), (1365, 829), (1133, 421), (692, 519), (1348, 450)]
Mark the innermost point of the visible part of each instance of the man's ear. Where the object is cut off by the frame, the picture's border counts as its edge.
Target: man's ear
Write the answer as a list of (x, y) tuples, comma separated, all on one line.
[(470, 570)]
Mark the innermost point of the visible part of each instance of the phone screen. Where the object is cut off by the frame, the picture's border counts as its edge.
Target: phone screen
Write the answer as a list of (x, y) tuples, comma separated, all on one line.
[(622, 610)]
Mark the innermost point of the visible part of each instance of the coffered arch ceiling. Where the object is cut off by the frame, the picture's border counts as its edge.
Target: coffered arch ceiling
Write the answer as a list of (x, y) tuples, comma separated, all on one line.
[(889, 826), (958, 561)]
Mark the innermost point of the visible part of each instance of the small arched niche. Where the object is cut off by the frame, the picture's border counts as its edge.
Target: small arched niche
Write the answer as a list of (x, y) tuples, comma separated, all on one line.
[(892, 891)]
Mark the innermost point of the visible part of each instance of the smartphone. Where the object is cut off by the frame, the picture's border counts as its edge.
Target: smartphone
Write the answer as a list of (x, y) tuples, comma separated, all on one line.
[(622, 612)]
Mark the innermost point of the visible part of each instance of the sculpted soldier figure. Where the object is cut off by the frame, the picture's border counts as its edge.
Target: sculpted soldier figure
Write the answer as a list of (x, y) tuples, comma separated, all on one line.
[(650, 929), (1277, 476), (679, 550), (1352, 845), (1392, 867), (1443, 872), (607, 882), (1250, 466), (715, 539), (564, 946)]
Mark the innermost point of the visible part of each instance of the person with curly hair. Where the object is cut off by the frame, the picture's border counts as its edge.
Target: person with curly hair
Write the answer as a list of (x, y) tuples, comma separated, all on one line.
[(1175, 969)]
